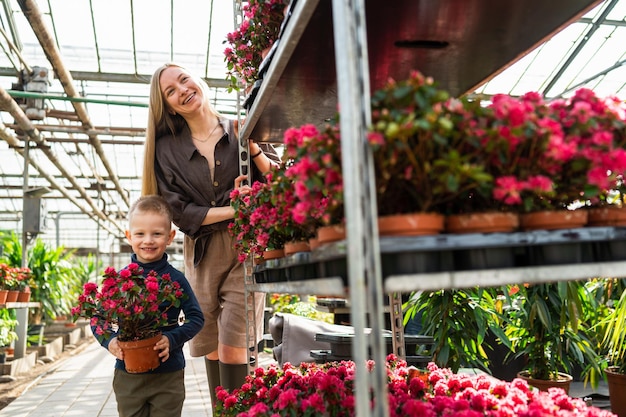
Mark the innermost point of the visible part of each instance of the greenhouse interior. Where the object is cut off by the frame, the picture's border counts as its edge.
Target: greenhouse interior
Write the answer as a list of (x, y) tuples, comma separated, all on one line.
[(74, 94)]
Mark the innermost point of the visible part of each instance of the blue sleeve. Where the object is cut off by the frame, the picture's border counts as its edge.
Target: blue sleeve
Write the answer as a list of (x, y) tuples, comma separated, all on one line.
[(194, 318)]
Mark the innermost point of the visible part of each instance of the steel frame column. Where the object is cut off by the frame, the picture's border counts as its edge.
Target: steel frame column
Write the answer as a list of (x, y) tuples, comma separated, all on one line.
[(364, 268)]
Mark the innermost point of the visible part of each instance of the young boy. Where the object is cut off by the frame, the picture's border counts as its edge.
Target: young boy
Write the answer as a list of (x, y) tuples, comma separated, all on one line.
[(159, 392)]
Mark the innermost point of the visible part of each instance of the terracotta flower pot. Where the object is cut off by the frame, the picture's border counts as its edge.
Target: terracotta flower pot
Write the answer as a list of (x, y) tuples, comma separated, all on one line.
[(23, 297), (140, 356), (297, 246), (607, 216), (12, 296), (491, 222), (413, 224), (3, 296), (554, 219), (563, 382), (332, 233), (270, 254)]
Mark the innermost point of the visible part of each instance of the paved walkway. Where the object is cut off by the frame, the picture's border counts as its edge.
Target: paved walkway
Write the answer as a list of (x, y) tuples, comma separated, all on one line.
[(81, 386)]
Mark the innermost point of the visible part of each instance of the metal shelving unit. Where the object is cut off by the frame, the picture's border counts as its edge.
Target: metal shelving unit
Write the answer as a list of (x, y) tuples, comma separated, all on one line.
[(322, 61)]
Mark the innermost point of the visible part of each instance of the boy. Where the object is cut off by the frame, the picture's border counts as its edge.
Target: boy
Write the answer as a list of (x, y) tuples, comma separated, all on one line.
[(159, 392)]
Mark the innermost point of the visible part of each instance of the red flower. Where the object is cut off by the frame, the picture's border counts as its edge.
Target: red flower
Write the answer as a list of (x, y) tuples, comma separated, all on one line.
[(136, 305)]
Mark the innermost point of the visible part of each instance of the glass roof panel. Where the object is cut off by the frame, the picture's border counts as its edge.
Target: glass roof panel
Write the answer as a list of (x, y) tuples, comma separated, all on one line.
[(111, 47)]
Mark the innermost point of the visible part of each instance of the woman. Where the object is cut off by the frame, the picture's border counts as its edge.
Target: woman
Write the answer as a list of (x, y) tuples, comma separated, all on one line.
[(192, 159)]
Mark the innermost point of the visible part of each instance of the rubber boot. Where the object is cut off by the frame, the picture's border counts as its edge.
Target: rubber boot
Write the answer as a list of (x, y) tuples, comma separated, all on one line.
[(213, 376), (233, 376)]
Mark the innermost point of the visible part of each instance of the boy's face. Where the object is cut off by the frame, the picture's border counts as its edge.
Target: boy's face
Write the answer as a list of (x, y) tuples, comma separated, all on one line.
[(149, 235)]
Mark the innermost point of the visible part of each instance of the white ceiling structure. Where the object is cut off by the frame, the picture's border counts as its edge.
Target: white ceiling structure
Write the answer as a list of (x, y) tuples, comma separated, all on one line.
[(85, 125)]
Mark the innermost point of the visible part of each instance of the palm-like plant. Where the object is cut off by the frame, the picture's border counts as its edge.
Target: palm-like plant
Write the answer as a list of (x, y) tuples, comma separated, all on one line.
[(458, 321), (548, 330)]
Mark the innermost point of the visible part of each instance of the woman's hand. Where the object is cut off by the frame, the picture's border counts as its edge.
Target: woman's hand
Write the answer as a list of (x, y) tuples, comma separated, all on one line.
[(241, 184)]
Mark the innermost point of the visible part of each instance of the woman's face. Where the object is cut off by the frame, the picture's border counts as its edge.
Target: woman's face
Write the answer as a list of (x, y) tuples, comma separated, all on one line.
[(180, 91)]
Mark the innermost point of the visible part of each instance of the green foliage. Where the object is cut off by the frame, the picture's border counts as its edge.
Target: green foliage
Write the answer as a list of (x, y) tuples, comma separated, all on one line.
[(548, 329), (292, 304), (610, 324), (57, 276), (7, 327), (458, 320)]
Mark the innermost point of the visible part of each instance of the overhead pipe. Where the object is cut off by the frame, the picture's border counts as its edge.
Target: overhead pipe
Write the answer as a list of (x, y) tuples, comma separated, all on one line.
[(36, 95), (8, 104), (15, 143), (34, 17), (100, 130)]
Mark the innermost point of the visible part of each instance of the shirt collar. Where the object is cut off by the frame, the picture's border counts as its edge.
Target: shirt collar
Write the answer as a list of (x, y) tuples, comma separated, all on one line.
[(187, 143)]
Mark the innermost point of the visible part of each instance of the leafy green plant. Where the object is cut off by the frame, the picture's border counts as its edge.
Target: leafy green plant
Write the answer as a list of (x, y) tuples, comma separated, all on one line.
[(458, 320), (7, 327), (57, 276), (611, 328), (292, 304), (548, 329)]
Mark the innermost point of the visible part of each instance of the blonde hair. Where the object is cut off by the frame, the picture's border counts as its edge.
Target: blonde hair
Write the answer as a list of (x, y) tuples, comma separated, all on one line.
[(161, 122), (151, 204)]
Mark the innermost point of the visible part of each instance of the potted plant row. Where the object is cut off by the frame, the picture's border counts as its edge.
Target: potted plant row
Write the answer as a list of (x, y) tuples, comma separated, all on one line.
[(328, 390), (450, 157), (250, 42), (14, 284)]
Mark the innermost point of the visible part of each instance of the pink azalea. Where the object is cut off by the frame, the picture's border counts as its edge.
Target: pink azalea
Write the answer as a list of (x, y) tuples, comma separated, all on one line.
[(128, 300)]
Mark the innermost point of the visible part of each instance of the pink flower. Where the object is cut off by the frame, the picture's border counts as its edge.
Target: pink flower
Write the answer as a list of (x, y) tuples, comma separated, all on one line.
[(135, 303)]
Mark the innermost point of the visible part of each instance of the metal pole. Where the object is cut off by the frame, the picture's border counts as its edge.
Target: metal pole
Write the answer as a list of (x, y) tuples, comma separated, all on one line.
[(364, 268)]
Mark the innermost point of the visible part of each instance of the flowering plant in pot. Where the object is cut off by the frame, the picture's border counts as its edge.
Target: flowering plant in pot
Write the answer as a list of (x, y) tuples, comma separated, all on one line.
[(257, 225), (557, 153), (14, 278), (305, 193), (128, 304), (419, 151), (313, 164), (259, 29), (328, 390)]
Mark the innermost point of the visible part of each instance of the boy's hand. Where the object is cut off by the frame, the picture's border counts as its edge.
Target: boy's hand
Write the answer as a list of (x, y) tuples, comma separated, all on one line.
[(115, 349), (164, 346)]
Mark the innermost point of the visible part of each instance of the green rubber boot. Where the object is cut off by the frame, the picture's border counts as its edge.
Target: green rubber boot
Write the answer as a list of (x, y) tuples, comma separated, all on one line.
[(213, 376), (233, 376)]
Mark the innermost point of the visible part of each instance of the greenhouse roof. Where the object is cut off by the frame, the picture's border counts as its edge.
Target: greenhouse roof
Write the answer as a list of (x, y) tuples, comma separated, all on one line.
[(89, 63)]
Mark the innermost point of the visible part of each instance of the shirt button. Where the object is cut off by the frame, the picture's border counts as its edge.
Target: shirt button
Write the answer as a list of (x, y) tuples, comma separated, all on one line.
[(213, 203), (215, 183), (218, 162)]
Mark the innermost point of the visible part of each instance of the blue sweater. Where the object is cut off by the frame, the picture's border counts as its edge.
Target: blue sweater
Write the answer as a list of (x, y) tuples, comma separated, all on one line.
[(178, 335)]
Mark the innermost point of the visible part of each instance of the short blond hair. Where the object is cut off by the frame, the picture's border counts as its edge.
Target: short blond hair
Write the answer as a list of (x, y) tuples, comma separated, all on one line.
[(151, 204)]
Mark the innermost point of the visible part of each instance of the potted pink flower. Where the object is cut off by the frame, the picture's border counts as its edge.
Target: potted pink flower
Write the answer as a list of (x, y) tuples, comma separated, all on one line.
[(555, 155), (262, 20), (257, 226), (128, 301), (313, 165)]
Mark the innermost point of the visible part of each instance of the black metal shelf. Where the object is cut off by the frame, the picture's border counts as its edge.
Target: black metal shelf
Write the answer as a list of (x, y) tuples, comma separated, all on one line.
[(459, 260)]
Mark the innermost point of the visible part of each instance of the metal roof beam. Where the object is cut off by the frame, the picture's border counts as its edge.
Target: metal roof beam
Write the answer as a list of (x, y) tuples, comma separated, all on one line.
[(33, 15)]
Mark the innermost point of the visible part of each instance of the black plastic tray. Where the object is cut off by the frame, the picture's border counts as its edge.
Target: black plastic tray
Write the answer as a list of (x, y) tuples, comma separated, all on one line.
[(460, 252)]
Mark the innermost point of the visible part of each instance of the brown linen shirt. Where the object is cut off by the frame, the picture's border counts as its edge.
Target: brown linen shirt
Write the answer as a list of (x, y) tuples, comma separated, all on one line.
[(184, 180)]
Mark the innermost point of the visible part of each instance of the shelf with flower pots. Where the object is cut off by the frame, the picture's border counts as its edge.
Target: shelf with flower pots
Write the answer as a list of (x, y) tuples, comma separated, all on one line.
[(412, 263), (313, 69)]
